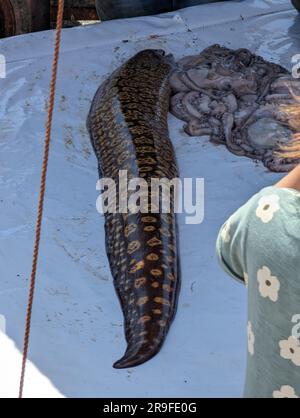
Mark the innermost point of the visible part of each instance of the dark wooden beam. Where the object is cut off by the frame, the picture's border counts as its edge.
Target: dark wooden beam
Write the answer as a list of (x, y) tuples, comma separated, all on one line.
[(76, 10)]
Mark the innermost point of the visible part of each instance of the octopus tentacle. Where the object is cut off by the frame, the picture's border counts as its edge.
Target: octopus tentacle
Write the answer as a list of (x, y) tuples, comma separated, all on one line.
[(242, 106)]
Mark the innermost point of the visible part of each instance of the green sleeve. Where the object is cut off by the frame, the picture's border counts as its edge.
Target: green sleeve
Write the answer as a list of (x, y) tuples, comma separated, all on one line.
[(260, 245)]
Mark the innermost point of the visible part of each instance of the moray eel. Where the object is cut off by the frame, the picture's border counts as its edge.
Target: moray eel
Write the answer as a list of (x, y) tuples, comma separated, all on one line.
[(129, 131)]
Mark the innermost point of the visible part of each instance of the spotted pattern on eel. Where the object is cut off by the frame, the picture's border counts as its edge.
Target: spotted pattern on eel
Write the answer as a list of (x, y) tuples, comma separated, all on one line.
[(129, 131)]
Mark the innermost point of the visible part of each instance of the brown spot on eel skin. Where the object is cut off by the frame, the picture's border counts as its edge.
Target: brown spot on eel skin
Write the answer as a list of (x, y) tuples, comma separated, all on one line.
[(128, 129)]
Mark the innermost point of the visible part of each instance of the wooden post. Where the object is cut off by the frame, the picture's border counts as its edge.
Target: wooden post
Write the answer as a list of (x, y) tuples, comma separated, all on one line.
[(23, 16), (40, 14), (7, 19)]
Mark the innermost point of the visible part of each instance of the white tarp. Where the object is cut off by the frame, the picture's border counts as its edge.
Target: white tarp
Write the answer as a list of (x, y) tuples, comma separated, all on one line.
[(77, 328)]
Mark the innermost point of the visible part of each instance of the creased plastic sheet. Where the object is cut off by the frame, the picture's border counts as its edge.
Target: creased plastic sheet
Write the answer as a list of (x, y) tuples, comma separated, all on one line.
[(77, 329)]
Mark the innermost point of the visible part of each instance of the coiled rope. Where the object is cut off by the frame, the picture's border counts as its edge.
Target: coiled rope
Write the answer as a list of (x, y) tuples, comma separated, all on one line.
[(39, 217)]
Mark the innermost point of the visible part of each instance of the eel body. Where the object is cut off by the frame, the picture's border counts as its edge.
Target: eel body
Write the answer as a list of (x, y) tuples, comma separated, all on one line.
[(129, 131)]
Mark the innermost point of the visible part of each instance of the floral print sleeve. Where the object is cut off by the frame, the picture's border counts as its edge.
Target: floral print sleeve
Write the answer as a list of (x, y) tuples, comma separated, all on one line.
[(259, 245)]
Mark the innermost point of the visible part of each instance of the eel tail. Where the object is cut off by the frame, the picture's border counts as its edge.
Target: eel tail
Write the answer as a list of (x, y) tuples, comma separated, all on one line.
[(149, 286)]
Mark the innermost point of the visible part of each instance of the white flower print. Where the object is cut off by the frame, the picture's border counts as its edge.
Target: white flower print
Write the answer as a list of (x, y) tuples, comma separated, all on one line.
[(246, 278), (290, 350), (267, 206), (251, 338), (286, 391), (225, 233), (268, 285)]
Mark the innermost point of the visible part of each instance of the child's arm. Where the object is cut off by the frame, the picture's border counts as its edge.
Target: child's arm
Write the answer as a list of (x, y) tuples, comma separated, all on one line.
[(291, 180)]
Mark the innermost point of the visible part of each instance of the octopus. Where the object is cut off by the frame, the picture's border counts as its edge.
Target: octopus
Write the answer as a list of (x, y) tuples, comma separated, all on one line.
[(128, 127), (237, 99)]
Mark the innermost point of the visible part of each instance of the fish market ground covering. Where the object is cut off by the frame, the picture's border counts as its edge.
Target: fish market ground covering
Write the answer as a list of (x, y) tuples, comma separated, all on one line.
[(77, 329)]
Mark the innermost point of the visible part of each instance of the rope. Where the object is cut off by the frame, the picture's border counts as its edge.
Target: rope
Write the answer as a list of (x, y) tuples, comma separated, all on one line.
[(42, 194)]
